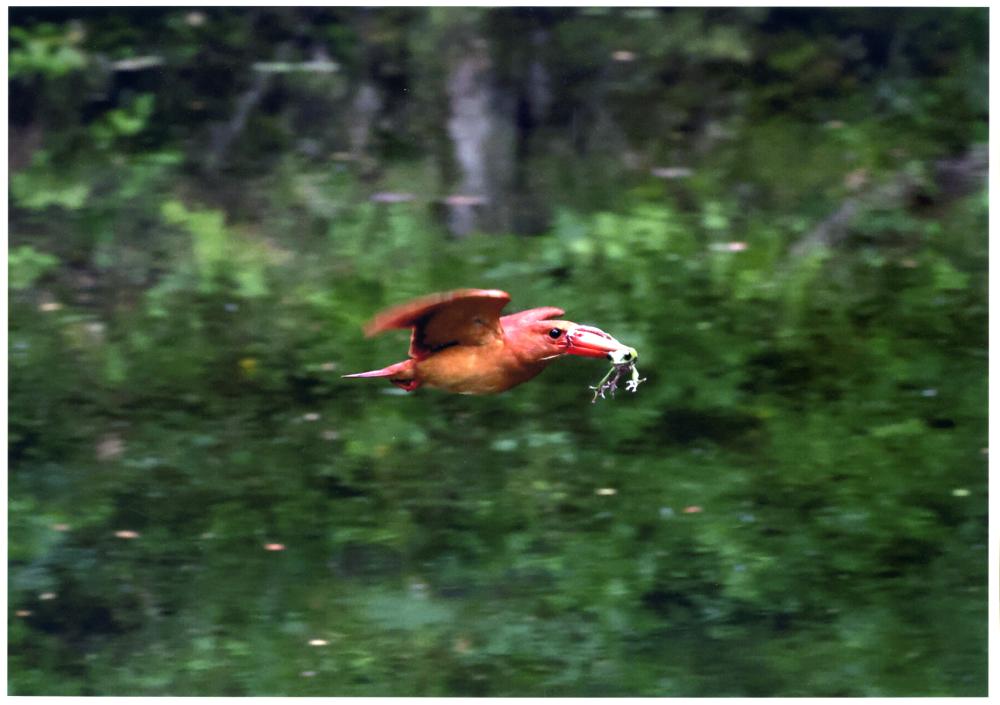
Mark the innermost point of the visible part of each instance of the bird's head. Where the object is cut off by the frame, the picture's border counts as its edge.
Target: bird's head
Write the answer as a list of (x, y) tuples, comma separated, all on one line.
[(546, 340)]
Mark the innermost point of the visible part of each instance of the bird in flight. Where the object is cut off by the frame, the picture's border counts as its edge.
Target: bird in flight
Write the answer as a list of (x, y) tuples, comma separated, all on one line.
[(461, 343)]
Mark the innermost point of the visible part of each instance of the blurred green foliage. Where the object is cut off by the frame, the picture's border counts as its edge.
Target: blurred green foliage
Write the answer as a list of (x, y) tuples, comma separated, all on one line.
[(794, 503)]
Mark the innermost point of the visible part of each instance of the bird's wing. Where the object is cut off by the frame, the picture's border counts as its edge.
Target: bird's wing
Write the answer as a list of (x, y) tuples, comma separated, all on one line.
[(460, 317)]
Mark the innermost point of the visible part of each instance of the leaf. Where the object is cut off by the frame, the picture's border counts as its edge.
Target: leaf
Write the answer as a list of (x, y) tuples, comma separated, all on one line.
[(405, 611), (910, 427), (25, 265)]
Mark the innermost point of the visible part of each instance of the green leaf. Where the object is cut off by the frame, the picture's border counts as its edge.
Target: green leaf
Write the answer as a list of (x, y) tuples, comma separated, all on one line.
[(25, 265)]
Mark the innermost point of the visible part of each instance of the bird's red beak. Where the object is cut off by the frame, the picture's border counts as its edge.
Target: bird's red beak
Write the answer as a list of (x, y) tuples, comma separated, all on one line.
[(588, 341)]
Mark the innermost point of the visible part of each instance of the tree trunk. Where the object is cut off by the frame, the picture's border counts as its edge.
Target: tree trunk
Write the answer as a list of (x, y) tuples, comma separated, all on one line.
[(482, 132)]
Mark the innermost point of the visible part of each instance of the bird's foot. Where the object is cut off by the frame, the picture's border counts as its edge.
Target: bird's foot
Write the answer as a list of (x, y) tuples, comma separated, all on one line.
[(406, 384)]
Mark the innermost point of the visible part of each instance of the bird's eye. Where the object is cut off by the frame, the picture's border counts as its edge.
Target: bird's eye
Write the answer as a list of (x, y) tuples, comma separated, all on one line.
[(555, 333)]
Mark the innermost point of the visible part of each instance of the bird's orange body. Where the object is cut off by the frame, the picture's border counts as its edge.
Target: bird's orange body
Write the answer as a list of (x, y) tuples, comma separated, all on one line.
[(483, 369), (460, 343)]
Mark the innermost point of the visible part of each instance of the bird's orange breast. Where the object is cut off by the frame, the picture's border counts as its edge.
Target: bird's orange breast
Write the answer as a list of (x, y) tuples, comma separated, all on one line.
[(481, 369)]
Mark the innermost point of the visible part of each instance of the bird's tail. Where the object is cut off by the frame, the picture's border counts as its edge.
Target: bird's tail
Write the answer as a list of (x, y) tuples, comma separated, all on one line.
[(402, 374)]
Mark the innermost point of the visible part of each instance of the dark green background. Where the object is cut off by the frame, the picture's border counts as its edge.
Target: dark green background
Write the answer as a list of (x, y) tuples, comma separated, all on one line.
[(799, 489)]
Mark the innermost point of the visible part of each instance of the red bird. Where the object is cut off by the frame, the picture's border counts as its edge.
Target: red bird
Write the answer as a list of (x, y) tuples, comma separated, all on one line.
[(460, 342)]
